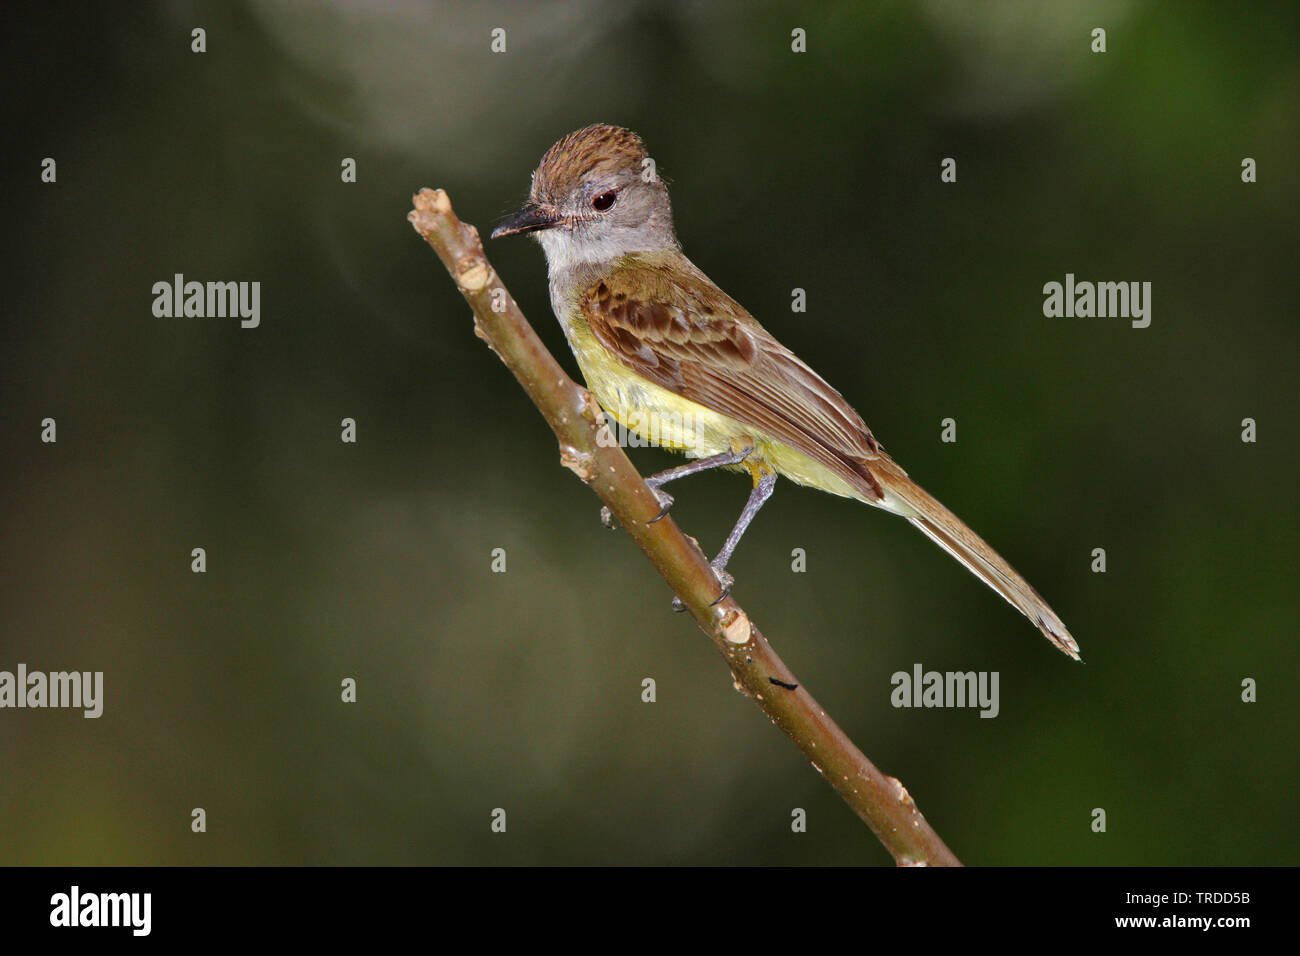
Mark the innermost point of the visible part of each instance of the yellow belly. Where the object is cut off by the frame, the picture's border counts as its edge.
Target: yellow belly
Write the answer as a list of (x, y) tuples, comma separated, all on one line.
[(657, 416)]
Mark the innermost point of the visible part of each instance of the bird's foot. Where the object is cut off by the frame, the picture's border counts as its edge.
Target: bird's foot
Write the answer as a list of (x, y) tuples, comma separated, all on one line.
[(665, 502), (724, 579)]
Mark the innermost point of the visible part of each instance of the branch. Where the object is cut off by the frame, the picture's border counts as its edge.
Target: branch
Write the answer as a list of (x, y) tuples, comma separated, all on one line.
[(588, 449)]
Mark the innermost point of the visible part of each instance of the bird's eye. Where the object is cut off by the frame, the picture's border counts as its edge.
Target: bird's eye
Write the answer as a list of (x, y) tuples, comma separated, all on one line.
[(604, 201)]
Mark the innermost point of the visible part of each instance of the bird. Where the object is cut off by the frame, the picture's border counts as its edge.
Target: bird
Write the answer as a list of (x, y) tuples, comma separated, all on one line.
[(658, 342)]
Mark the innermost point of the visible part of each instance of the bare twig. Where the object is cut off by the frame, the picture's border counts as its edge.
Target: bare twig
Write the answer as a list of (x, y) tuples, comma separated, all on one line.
[(587, 448)]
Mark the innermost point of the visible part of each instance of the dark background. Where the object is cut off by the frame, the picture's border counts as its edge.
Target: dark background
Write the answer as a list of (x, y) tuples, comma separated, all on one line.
[(522, 690)]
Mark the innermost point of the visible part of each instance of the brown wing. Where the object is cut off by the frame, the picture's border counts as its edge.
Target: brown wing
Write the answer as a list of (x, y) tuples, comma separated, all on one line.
[(688, 336)]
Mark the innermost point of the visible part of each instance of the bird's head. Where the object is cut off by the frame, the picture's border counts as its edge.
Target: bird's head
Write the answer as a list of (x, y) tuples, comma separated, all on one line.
[(595, 196)]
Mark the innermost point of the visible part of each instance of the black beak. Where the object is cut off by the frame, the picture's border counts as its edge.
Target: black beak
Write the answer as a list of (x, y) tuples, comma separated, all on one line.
[(529, 219)]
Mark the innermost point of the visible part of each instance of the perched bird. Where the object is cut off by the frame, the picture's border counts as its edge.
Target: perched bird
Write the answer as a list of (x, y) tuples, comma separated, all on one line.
[(666, 352)]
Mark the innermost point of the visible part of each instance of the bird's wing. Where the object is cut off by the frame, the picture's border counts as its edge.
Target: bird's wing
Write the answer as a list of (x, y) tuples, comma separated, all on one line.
[(684, 334)]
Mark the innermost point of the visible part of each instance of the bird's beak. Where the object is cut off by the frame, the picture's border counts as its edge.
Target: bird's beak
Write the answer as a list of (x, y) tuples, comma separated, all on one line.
[(532, 217)]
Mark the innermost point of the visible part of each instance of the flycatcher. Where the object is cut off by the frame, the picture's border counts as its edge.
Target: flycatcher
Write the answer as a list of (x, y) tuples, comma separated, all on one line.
[(659, 343)]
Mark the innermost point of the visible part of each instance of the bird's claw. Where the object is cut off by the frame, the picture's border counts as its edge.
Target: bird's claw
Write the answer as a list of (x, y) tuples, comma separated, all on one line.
[(724, 579), (665, 502)]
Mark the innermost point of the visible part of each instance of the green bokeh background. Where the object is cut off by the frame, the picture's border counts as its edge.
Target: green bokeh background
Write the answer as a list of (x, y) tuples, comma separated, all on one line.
[(522, 690)]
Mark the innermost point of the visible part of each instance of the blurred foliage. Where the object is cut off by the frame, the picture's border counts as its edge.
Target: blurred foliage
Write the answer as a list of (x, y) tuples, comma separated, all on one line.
[(522, 690)]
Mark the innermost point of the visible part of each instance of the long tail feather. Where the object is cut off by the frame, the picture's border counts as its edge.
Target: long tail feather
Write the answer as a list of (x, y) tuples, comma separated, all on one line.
[(952, 534)]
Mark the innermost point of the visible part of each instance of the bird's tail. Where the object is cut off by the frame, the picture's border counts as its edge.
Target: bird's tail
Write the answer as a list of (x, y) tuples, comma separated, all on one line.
[(949, 532)]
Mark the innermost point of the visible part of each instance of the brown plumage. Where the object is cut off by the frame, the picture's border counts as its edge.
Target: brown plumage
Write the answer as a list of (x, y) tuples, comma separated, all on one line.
[(696, 341), (587, 154)]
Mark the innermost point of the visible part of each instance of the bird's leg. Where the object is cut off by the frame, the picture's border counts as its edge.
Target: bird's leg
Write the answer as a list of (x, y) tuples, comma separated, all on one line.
[(657, 481), (757, 498), (763, 487)]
